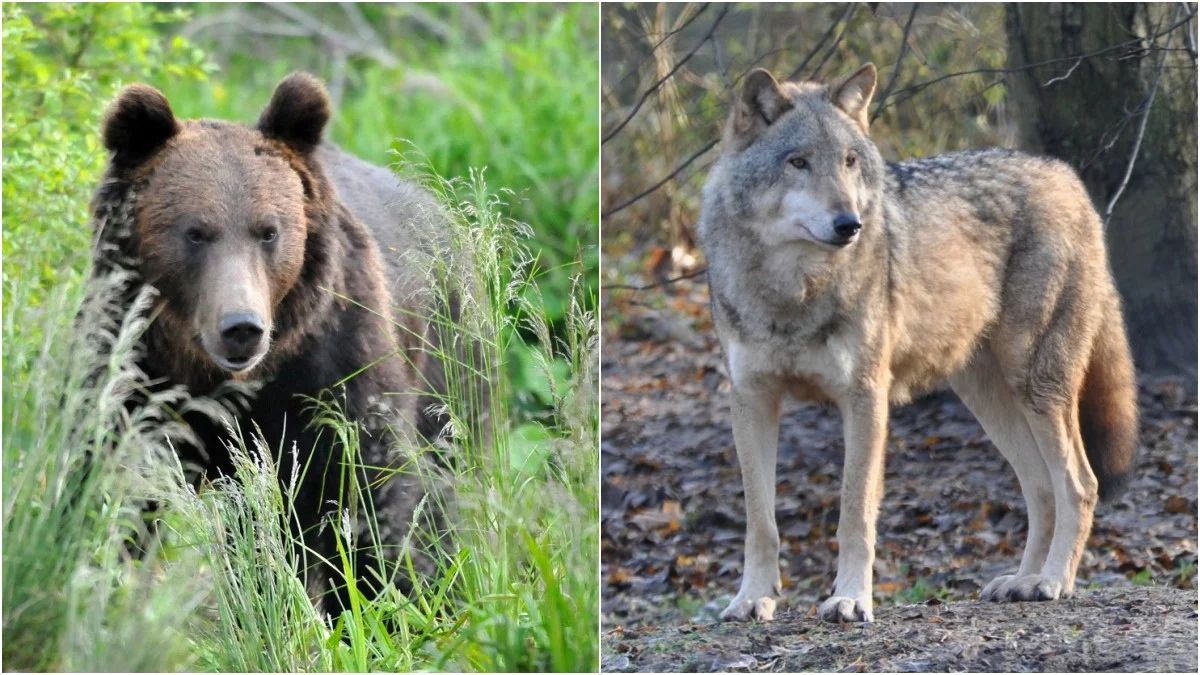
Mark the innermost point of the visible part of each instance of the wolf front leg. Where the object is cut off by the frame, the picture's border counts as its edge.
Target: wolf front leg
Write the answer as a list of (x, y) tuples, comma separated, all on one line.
[(864, 417), (756, 435)]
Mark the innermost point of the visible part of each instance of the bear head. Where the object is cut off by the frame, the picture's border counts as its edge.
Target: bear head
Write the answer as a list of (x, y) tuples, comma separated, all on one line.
[(231, 226)]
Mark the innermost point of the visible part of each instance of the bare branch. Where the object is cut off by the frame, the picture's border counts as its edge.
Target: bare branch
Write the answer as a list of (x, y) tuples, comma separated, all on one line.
[(836, 42), (244, 21), (1191, 38), (646, 94), (423, 18), (337, 83), (920, 86), (1065, 75), (633, 71), (887, 91), (628, 202), (333, 38), (657, 284), (1137, 143), (820, 43), (365, 33)]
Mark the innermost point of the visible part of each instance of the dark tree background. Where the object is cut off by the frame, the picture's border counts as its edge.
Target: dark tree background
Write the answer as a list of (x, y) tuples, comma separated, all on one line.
[(1094, 119)]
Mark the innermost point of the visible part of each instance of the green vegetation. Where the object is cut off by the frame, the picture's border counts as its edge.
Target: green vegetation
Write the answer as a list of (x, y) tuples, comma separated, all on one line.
[(919, 591), (220, 593)]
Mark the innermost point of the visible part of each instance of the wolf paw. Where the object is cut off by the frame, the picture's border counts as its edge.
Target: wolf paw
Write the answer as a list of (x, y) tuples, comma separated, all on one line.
[(1031, 587), (747, 608), (840, 609), (991, 592)]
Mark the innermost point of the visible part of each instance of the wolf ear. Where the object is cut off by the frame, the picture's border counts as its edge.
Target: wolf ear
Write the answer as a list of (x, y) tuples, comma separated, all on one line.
[(138, 122), (297, 113), (853, 94), (762, 103)]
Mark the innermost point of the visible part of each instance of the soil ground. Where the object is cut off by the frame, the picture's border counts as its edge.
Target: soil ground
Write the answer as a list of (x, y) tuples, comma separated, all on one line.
[(1139, 629)]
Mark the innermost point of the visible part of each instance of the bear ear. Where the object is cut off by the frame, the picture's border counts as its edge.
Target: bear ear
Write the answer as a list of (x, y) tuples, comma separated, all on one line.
[(138, 122), (853, 94), (297, 113), (760, 104)]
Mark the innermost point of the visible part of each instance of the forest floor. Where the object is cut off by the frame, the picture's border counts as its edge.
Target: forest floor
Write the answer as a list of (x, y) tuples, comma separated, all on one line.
[(1136, 629), (952, 519)]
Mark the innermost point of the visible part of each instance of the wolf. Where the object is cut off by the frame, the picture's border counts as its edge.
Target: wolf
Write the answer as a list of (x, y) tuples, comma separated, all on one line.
[(837, 277)]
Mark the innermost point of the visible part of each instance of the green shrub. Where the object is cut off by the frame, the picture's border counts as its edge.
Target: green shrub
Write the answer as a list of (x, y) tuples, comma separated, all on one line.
[(62, 63)]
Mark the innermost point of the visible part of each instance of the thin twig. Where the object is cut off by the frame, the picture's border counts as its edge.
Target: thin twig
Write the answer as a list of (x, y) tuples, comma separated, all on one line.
[(245, 22), (646, 94), (633, 71), (917, 88), (1137, 143), (833, 47), (1064, 76), (1191, 39), (625, 204), (887, 91), (365, 33), (657, 284), (332, 37), (820, 43), (337, 83)]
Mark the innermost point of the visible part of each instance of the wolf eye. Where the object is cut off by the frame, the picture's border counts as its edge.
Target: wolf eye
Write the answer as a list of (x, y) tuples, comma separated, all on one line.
[(268, 235), (851, 160), (798, 162)]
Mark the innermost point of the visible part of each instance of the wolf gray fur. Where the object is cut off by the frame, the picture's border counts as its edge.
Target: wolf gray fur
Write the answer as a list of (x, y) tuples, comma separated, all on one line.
[(838, 277)]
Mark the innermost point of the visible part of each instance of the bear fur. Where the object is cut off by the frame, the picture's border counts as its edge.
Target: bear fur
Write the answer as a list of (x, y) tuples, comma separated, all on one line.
[(266, 245)]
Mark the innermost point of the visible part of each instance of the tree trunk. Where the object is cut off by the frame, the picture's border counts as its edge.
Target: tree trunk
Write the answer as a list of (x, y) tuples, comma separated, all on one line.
[(1090, 118)]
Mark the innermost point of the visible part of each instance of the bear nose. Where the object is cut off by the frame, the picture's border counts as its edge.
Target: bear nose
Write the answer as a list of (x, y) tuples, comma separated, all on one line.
[(241, 332), (846, 225)]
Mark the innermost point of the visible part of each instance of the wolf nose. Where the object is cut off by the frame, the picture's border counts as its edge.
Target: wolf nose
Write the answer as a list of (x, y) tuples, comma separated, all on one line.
[(241, 332), (846, 225)]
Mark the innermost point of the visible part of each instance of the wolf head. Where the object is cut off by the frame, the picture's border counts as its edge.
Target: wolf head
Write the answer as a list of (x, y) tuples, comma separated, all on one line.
[(797, 164)]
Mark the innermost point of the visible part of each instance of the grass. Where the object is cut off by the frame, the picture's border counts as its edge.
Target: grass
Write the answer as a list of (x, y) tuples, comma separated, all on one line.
[(919, 591), (519, 588)]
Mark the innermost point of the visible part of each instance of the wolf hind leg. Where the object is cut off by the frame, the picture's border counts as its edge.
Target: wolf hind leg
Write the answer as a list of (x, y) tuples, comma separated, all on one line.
[(1076, 492), (756, 436), (984, 390)]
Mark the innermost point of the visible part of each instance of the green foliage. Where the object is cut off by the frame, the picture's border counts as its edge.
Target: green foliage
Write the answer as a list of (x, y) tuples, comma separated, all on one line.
[(919, 591), (62, 62)]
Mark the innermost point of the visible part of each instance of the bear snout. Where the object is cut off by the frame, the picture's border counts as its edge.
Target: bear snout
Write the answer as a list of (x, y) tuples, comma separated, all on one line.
[(243, 340)]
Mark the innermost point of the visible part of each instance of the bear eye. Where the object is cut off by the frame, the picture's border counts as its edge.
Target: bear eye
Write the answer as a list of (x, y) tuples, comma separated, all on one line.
[(851, 160), (798, 162), (269, 234), (195, 235)]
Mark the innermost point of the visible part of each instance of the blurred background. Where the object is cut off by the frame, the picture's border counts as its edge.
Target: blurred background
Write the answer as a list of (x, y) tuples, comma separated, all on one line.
[(1086, 83), (1109, 88)]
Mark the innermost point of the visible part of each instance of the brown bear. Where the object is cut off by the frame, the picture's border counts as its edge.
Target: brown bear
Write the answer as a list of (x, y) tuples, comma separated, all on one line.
[(264, 245)]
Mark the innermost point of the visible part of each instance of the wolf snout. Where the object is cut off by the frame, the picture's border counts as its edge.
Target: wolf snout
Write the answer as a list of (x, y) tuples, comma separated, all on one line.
[(846, 226)]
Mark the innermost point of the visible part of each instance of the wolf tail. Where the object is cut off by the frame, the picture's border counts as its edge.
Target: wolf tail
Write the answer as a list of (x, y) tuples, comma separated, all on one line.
[(1108, 419)]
